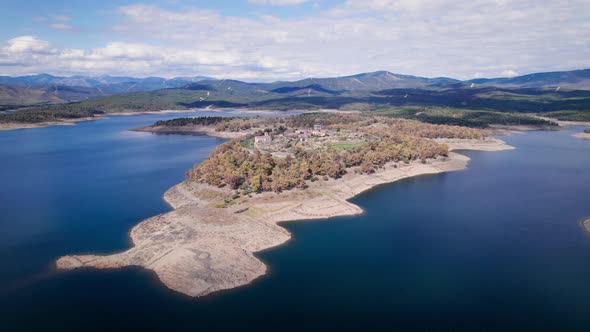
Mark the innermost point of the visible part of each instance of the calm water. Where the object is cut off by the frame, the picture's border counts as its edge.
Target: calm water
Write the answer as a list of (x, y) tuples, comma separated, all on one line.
[(496, 247)]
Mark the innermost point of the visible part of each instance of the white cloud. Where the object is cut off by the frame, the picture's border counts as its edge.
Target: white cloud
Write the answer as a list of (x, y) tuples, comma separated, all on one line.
[(61, 26), (509, 73), (277, 2), (27, 45), (61, 18), (120, 58), (462, 39)]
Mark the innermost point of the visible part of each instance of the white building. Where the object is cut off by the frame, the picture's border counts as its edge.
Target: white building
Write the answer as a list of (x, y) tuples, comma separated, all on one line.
[(318, 130), (267, 138)]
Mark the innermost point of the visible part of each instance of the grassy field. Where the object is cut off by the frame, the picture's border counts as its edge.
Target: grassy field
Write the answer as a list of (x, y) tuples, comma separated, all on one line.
[(348, 145), (248, 143)]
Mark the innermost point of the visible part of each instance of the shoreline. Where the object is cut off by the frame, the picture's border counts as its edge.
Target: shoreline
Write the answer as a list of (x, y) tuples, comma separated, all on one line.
[(582, 135), (564, 123), (70, 122), (492, 130), (191, 130), (199, 248), (506, 130)]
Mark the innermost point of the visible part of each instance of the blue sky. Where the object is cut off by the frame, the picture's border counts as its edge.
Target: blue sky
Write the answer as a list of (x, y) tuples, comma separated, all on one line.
[(95, 18), (263, 40)]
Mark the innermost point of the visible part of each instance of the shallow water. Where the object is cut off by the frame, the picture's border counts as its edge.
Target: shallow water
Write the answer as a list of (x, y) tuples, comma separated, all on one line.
[(498, 246)]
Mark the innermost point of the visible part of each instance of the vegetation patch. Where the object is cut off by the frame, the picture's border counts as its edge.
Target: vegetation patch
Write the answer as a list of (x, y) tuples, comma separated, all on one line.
[(247, 143), (463, 117), (348, 145), (570, 115), (316, 150)]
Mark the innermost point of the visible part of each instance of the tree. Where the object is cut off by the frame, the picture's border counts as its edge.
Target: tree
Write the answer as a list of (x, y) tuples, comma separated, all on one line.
[(233, 181)]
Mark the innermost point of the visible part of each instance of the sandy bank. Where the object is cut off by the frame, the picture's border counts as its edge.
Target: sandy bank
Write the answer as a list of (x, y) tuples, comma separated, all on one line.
[(199, 248), (68, 122), (506, 130), (582, 135), (562, 123)]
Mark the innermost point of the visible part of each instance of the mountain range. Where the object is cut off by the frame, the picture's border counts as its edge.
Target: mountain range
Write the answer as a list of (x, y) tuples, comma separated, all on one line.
[(48, 89), (120, 92), (142, 84)]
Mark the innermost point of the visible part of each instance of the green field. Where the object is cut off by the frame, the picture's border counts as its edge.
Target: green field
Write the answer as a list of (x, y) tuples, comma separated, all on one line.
[(348, 145), (248, 143)]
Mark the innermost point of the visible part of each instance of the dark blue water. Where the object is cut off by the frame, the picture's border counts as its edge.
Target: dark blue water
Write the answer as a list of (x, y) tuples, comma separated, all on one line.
[(496, 247)]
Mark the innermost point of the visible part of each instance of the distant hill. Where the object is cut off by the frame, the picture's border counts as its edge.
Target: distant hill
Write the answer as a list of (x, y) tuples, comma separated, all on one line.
[(379, 80), (148, 83), (542, 92), (572, 80), (17, 95), (14, 96), (48, 89)]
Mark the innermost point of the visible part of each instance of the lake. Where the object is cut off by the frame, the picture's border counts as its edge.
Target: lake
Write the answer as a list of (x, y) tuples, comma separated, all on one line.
[(496, 247)]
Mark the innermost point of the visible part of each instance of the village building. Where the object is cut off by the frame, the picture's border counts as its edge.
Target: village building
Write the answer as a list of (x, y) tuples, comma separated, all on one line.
[(266, 138), (318, 130)]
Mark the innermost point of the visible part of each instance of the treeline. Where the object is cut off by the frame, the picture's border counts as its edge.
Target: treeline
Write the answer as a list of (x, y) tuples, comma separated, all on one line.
[(231, 165), (466, 118), (198, 121), (388, 127), (36, 116), (269, 124), (569, 115), (245, 123), (487, 118), (376, 125), (325, 119)]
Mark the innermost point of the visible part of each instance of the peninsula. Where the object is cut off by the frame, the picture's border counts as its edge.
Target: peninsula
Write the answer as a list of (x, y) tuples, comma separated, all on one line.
[(275, 170)]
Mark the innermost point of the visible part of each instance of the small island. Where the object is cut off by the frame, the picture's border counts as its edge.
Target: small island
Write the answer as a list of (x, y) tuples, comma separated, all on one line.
[(584, 135), (274, 170)]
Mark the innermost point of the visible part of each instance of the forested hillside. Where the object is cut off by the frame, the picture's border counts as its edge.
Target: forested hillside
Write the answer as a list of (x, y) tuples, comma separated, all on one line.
[(364, 92), (346, 143)]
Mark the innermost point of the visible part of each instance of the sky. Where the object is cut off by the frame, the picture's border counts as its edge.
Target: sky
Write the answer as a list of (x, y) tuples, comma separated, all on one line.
[(267, 40)]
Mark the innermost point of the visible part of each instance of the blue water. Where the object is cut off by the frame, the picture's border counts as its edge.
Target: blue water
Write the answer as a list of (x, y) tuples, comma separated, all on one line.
[(497, 247)]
